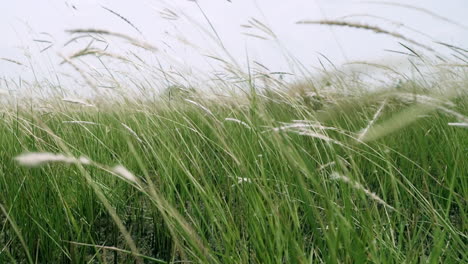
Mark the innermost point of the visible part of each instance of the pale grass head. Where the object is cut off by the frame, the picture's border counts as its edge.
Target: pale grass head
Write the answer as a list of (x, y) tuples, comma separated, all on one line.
[(363, 133), (309, 129), (336, 176), (132, 132), (79, 122), (229, 119), (373, 28), (35, 159), (124, 173), (77, 101), (204, 108), (465, 125)]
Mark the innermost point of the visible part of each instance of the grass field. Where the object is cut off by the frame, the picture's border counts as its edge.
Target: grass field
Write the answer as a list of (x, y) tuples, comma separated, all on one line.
[(267, 179), (329, 170)]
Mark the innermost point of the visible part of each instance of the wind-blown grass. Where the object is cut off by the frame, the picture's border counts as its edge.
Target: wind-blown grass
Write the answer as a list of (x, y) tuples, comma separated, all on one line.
[(261, 188), (332, 170)]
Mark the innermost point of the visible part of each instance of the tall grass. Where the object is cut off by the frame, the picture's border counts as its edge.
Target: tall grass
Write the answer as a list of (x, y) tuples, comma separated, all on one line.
[(256, 190), (308, 172)]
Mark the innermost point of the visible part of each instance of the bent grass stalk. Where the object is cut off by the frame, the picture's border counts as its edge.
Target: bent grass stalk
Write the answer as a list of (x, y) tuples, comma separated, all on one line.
[(375, 29)]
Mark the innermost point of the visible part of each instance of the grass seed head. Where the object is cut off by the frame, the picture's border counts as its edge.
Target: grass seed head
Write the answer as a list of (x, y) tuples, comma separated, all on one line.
[(36, 159), (124, 172), (459, 124), (77, 101)]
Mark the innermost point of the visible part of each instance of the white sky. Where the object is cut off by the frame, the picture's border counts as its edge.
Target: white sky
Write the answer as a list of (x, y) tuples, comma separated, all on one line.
[(21, 21)]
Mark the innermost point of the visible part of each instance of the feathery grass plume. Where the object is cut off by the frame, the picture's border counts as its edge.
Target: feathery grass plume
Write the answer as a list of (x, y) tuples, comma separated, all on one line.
[(307, 129), (398, 121), (35, 159), (124, 172), (132, 132), (372, 121), (79, 122), (305, 124), (435, 103), (394, 22), (123, 18), (446, 110), (458, 124), (337, 176), (319, 136), (77, 101), (4, 92), (375, 29), (201, 107), (237, 121), (133, 41)]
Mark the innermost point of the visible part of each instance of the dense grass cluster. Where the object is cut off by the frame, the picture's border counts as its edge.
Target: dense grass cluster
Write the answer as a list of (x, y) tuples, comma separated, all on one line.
[(379, 177)]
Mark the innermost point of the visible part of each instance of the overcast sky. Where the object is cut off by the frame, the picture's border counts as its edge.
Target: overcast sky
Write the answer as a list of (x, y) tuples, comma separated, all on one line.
[(22, 21)]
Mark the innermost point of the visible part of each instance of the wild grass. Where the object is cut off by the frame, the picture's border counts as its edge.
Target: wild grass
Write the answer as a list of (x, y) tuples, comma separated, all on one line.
[(328, 170), (188, 187)]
